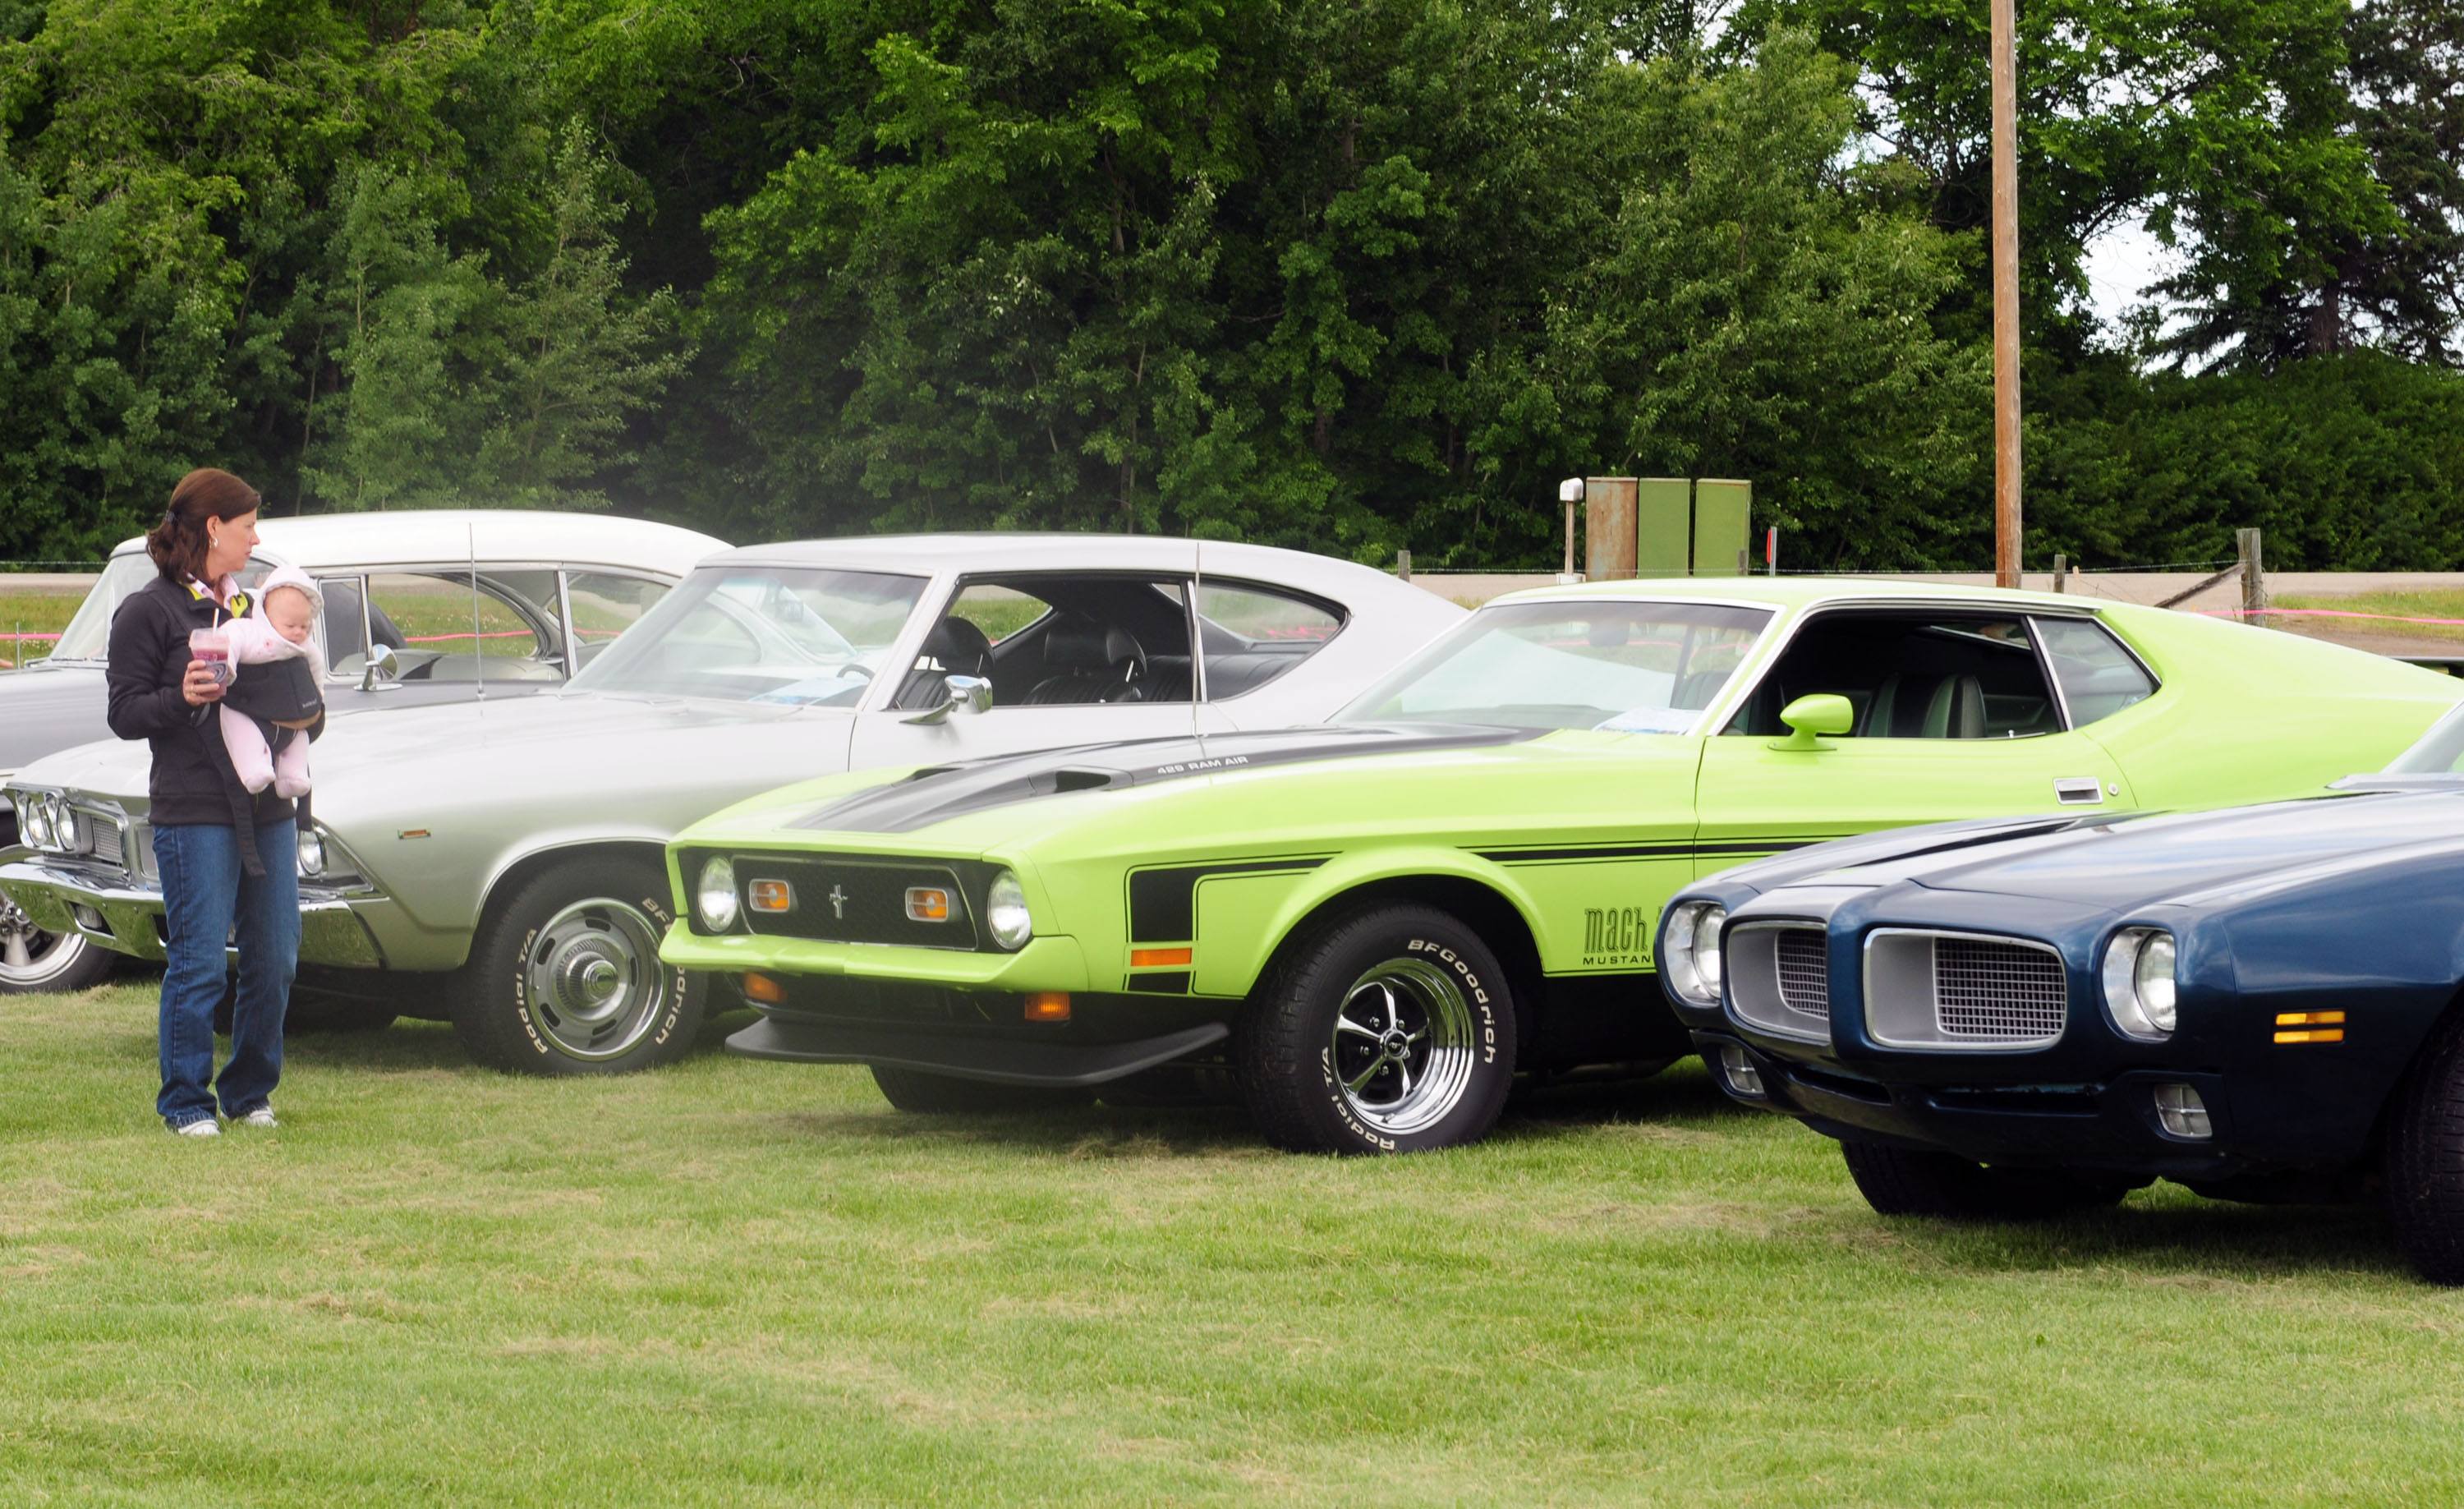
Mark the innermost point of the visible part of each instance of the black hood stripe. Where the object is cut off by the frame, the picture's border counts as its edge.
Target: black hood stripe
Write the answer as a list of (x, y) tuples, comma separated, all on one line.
[(954, 791)]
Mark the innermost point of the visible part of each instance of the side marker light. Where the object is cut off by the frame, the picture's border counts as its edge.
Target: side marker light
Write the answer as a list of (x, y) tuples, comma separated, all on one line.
[(764, 989), (1157, 958), (2323, 1034), (2309, 1018), (1047, 1006)]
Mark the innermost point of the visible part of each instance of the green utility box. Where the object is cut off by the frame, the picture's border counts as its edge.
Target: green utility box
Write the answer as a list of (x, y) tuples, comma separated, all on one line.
[(1723, 532), (1663, 525)]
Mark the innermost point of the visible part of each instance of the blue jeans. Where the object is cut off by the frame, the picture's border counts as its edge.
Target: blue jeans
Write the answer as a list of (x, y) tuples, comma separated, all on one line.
[(207, 897)]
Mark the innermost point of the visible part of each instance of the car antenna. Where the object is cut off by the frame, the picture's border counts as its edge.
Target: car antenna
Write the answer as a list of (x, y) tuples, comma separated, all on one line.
[(478, 646)]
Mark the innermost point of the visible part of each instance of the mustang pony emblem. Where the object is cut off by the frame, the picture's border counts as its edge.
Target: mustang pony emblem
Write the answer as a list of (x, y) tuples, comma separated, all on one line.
[(838, 903)]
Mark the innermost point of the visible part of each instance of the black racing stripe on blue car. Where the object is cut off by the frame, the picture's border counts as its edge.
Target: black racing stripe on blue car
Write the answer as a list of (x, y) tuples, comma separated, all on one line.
[(1163, 903)]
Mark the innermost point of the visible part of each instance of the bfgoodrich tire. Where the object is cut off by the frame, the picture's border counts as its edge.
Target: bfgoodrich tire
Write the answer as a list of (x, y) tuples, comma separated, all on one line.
[(1900, 1181), (564, 977), (1386, 1029), (2425, 1160), (921, 1093)]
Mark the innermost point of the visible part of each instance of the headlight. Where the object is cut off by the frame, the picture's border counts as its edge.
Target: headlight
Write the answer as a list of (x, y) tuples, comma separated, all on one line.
[(30, 817), (1690, 951), (1005, 912), (715, 895), (62, 821), (2138, 985), (312, 852)]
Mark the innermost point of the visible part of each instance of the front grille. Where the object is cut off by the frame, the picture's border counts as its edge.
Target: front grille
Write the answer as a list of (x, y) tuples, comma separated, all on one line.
[(1805, 973), (106, 838), (1997, 991), (855, 901), (1779, 979)]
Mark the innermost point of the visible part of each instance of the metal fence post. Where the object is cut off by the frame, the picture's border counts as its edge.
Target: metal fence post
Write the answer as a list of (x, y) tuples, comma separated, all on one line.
[(1403, 564), (2253, 576)]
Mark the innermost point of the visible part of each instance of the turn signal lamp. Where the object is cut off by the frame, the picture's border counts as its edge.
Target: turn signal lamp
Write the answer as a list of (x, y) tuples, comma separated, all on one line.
[(1157, 958), (927, 903), (770, 895), (1047, 1006), (764, 989)]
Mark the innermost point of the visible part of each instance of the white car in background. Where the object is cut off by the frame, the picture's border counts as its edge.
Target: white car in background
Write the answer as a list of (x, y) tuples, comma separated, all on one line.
[(403, 625), (501, 863)]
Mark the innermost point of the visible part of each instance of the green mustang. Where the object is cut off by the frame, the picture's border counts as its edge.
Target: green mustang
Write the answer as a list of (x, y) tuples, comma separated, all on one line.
[(1374, 924)]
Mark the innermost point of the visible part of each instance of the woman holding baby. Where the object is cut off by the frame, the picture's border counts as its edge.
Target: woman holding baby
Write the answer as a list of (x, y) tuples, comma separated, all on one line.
[(225, 837)]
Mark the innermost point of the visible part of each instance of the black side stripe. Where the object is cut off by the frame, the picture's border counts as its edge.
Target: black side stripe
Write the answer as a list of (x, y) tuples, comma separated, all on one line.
[(1739, 846), (1163, 904)]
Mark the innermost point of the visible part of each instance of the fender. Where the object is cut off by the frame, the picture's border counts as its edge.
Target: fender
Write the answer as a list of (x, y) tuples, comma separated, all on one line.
[(1227, 972)]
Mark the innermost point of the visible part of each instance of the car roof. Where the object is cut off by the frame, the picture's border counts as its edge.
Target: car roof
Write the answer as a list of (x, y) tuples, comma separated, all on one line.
[(999, 550), (431, 536), (1795, 591)]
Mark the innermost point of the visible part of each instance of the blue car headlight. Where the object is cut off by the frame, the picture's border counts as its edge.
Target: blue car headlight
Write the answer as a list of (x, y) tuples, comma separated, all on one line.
[(1689, 951), (2140, 989)]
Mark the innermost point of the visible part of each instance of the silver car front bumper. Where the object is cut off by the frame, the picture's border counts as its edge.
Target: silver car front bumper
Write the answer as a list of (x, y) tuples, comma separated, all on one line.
[(126, 916)]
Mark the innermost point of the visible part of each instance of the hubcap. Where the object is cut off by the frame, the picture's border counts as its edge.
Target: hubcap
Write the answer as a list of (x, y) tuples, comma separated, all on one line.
[(30, 958), (1403, 1046), (594, 979)]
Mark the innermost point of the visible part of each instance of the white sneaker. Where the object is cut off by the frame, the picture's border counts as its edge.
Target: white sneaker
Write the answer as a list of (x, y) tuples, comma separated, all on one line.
[(262, 1116), (204, 1129)]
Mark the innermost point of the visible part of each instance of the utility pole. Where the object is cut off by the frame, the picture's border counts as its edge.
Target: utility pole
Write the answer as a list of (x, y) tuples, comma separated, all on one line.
[(2006, 297)]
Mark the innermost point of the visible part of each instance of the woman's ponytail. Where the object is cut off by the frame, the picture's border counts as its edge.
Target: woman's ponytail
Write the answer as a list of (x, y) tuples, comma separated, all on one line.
[(178, 543)]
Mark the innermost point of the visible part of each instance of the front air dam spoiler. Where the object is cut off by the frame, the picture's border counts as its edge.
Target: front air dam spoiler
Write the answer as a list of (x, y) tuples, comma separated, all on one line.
[(1056, 1065)]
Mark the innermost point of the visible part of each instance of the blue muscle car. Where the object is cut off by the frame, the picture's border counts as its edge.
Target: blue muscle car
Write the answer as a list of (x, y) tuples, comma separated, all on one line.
[(2021, 1016)]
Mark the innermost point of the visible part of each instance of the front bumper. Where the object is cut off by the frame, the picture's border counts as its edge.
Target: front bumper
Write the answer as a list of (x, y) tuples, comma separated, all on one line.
[(126, 914), (2106, 1125)]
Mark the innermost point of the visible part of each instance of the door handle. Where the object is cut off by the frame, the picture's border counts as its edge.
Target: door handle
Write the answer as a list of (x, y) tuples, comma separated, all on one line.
[(2084, 790)]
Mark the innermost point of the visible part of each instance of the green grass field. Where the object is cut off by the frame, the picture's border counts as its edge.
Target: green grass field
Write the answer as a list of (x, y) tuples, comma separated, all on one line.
[(737, 1282), (2395, 605)]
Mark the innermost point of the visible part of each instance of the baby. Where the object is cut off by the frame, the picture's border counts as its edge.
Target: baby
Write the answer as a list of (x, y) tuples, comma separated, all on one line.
[(282, 626)]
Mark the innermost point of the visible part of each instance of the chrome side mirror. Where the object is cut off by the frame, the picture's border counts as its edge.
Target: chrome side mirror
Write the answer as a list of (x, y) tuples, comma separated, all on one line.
[(379, 668), (960, 693)]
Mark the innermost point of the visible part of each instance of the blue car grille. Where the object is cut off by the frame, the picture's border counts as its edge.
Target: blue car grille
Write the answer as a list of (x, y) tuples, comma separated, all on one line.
[(1997, 991), (1805, 974)]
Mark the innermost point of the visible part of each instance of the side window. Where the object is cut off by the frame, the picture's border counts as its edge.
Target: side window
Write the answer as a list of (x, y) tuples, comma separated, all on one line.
[(2097, 677), (1255, 634), (1912, 676), (346, 621), (440, 631), (1059, 641), (605, 605)]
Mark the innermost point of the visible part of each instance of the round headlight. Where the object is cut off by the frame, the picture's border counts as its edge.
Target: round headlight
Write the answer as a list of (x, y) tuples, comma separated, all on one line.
[(37, 826), (715, 895), (312, 852), (2139, 984), (1690, 948), (1005, 912), (1707, 962), (62, 824)]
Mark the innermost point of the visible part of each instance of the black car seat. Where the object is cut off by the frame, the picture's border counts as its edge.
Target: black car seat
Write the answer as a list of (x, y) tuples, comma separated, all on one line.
[(956, 648), (1927, 707), (1089, 662)]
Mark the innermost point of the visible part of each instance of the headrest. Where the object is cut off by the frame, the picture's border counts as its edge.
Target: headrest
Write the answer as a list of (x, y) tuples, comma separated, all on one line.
[(1081, 643), (958, 645)]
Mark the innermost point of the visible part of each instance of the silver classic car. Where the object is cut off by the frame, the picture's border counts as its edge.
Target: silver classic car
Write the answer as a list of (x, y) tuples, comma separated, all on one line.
[(405, 623), (499, 863)]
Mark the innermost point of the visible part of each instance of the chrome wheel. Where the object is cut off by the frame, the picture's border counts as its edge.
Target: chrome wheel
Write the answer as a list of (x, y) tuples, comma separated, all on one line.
[(31, 959), (594, 980), (1403, 1046)]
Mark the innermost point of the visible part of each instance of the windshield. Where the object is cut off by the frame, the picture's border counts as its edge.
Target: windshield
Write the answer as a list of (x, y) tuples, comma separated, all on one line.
[(2437, 752), (88, 635), (1648, 668), (807, 636)]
